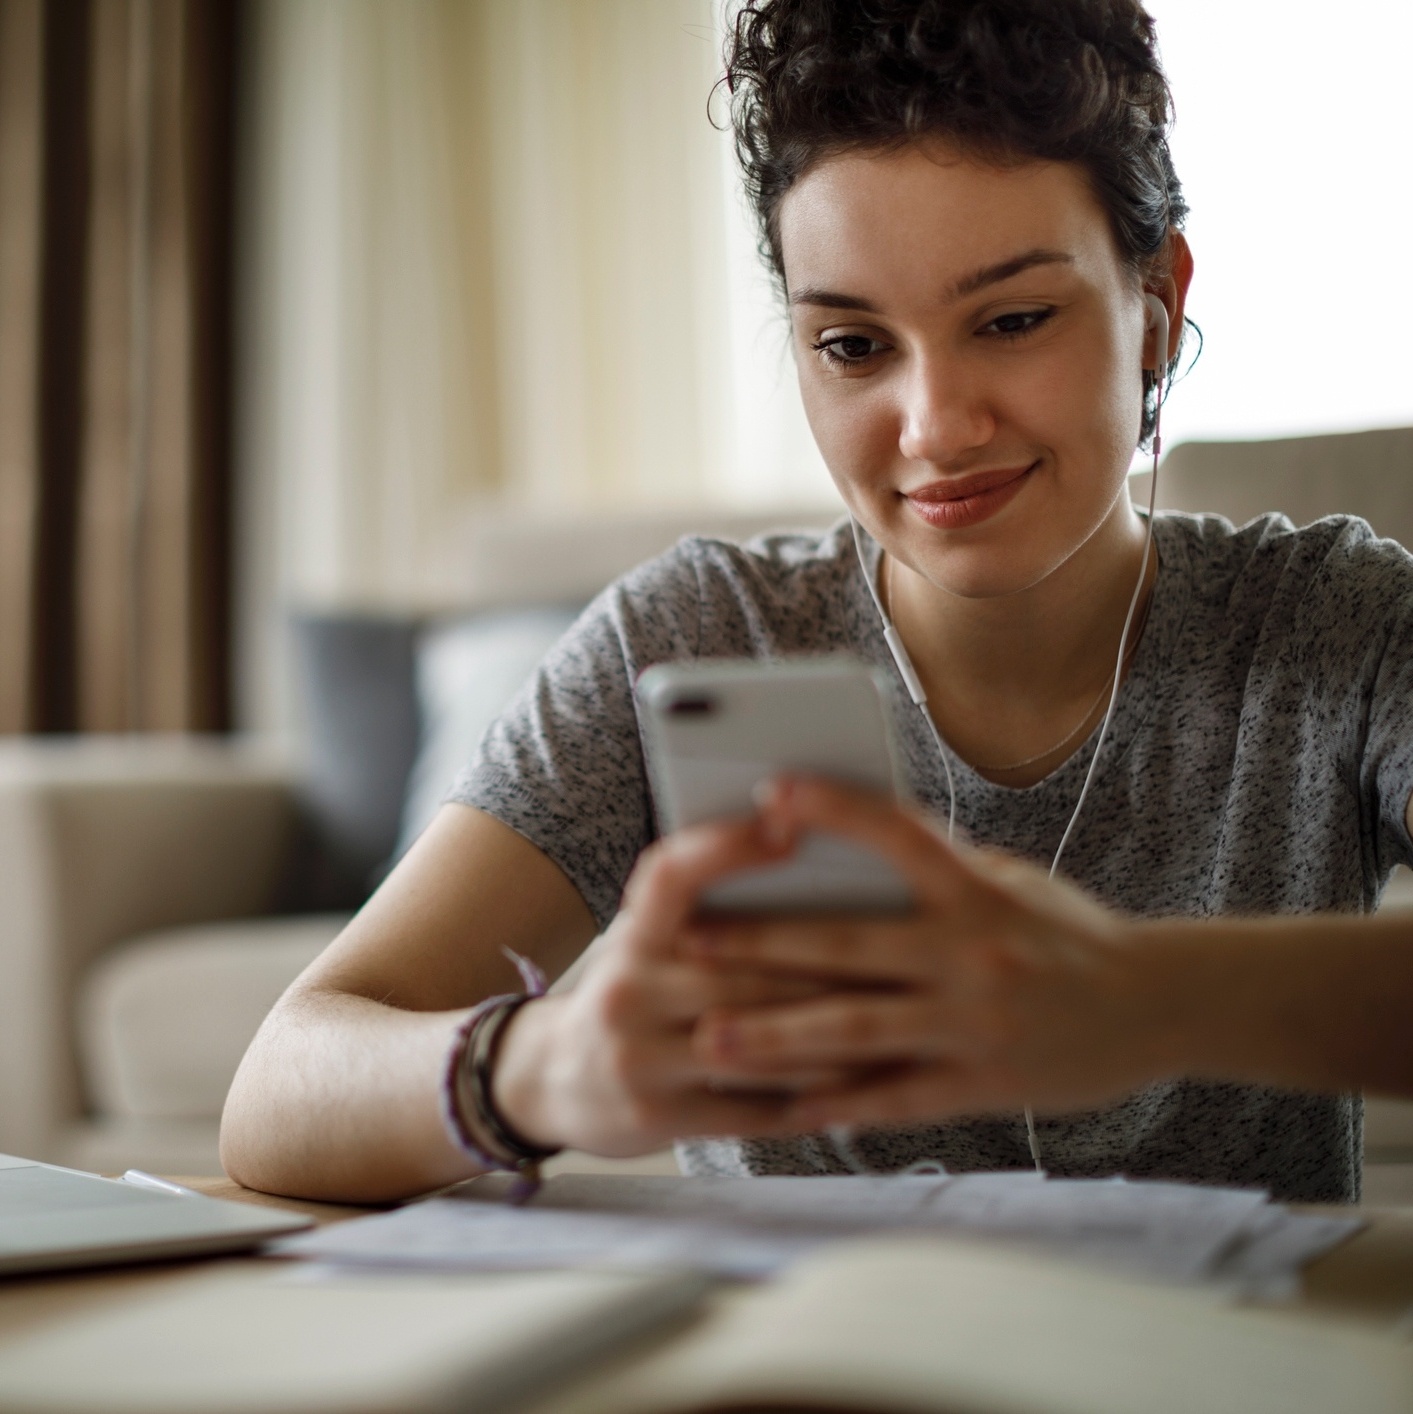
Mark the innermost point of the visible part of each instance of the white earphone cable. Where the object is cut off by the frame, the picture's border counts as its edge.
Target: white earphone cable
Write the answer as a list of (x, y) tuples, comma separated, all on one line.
[(1118, 679), (1031, 1137), (841, 1135), (908, 673)]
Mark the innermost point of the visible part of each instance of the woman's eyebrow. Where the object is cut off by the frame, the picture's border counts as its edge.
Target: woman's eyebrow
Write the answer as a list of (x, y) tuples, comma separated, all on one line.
[(832, 299), (1005, 269), (968, 284)]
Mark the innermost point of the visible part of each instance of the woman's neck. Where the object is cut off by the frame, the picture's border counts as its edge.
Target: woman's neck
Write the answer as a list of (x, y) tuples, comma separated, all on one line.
[(1024, 675)]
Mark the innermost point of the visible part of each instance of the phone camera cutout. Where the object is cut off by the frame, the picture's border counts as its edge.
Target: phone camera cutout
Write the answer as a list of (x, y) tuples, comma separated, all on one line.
[(697, 706)]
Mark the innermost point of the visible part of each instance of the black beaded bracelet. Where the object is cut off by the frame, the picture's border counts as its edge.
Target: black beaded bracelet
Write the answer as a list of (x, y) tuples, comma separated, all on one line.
[(470, 1117), (480, 1062)]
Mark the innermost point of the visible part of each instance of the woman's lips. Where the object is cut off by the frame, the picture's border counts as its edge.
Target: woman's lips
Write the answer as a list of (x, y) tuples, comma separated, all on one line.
[(968, 500)]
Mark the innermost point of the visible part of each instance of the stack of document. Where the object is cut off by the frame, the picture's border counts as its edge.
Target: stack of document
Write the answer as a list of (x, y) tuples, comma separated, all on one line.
[(753, 1227)]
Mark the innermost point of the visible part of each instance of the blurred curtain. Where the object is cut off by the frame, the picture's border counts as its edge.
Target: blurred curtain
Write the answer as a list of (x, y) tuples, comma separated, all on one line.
[(115, 218), (494, 260), (486, 258)]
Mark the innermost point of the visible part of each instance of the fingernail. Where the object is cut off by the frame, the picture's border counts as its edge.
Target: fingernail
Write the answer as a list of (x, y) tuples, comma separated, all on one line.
[(725, 1037), (776, 833)]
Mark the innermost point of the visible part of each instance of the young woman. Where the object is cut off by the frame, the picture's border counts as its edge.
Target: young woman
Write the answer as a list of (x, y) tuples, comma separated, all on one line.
[(966, 203)]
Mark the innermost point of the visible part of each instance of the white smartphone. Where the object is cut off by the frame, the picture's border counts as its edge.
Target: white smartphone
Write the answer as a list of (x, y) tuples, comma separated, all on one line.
[(714, 730)]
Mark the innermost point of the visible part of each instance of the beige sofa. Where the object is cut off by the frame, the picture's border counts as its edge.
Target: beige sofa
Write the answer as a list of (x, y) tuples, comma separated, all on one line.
[(137, 948), (106, 1056), (140, 942)]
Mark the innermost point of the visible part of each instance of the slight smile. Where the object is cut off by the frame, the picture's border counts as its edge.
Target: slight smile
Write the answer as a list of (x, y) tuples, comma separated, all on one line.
[(968, 500)]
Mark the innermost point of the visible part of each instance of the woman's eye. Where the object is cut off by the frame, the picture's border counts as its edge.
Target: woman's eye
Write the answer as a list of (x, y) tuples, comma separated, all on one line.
[(1022, 321), (845, 350)]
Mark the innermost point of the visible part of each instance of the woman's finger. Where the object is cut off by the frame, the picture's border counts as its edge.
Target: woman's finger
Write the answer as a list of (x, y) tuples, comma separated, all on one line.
[(850, 1030), (730, 1113), (674, 993), (947, 1087), (850, 949), (662, 892), (937, 871), (789, 1083), (654, 1064), (903, 1095), (701, 1113)]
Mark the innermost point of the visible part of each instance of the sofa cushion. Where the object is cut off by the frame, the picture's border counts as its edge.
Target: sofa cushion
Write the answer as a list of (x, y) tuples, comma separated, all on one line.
[(1368, 474), (467, 672), (360, 727), (165, 1019)]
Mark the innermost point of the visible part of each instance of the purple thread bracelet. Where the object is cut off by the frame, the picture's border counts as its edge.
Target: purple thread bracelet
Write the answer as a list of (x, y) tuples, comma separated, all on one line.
[(475, 1128)]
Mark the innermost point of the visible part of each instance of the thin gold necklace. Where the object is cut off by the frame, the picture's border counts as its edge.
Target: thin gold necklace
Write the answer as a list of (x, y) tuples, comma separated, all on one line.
[(1069, 736)]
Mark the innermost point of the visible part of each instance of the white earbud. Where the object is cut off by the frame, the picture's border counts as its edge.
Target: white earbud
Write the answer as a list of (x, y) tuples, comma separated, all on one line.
[(1157, 320)]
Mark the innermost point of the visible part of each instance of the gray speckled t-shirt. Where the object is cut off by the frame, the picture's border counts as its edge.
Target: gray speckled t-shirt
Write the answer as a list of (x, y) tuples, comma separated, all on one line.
[(1260, 761)]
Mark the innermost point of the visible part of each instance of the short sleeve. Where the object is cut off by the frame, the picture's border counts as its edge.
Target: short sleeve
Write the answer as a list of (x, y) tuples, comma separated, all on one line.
[(563, 765), (1351, 634), (1386, 778)]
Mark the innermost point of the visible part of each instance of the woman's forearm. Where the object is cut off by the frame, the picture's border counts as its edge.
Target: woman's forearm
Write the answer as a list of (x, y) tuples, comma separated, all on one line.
[(337, 1099), (339, 1094), (1321, 1003)]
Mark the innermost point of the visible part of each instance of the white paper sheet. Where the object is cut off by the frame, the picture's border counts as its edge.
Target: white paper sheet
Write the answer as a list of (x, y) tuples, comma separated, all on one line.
[(1265, 1262), (751, 1227)]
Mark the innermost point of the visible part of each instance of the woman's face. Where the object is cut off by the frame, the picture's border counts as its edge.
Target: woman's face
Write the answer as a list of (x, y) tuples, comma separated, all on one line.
[(970, 352)]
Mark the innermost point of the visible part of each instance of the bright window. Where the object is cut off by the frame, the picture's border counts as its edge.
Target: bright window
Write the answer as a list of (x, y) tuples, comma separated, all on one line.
[(1292, 139)]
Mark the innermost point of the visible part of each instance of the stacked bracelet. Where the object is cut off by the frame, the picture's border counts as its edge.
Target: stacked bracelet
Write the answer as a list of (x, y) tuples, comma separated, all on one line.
[(470, 1117)]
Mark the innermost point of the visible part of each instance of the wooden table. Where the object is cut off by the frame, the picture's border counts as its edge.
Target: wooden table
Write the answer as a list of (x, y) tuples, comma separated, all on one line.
[(1369, 1279), (33, 1301)]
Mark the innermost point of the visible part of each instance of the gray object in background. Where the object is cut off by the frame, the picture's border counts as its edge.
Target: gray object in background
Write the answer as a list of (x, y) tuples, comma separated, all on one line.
[(357, 672), (467, 671)]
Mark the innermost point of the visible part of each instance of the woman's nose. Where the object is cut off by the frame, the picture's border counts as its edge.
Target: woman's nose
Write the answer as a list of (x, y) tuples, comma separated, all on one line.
[(944, 413)]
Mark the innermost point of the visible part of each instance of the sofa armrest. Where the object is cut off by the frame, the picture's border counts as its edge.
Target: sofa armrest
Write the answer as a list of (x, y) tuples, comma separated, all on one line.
[(100, 839)]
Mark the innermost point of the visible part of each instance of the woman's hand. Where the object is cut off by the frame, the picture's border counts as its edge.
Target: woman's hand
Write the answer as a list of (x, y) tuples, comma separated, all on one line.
[(609, 1067), (1003, 988)]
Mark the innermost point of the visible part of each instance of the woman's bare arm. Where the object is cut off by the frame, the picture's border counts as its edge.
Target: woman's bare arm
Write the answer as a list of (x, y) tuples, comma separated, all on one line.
[(336, 1097), (1322, 1003)]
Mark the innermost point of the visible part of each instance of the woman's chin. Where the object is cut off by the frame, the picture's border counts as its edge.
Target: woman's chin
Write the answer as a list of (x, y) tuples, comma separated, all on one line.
[(985, 581), (993, 568)]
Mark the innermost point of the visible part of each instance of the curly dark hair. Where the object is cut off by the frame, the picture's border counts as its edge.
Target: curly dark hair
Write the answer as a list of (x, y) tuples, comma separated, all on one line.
[(1007, 80)]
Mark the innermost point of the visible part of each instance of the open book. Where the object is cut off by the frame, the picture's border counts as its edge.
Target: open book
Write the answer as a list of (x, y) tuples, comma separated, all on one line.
[(284, 1339), (893, 1326), (933, 1327)]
